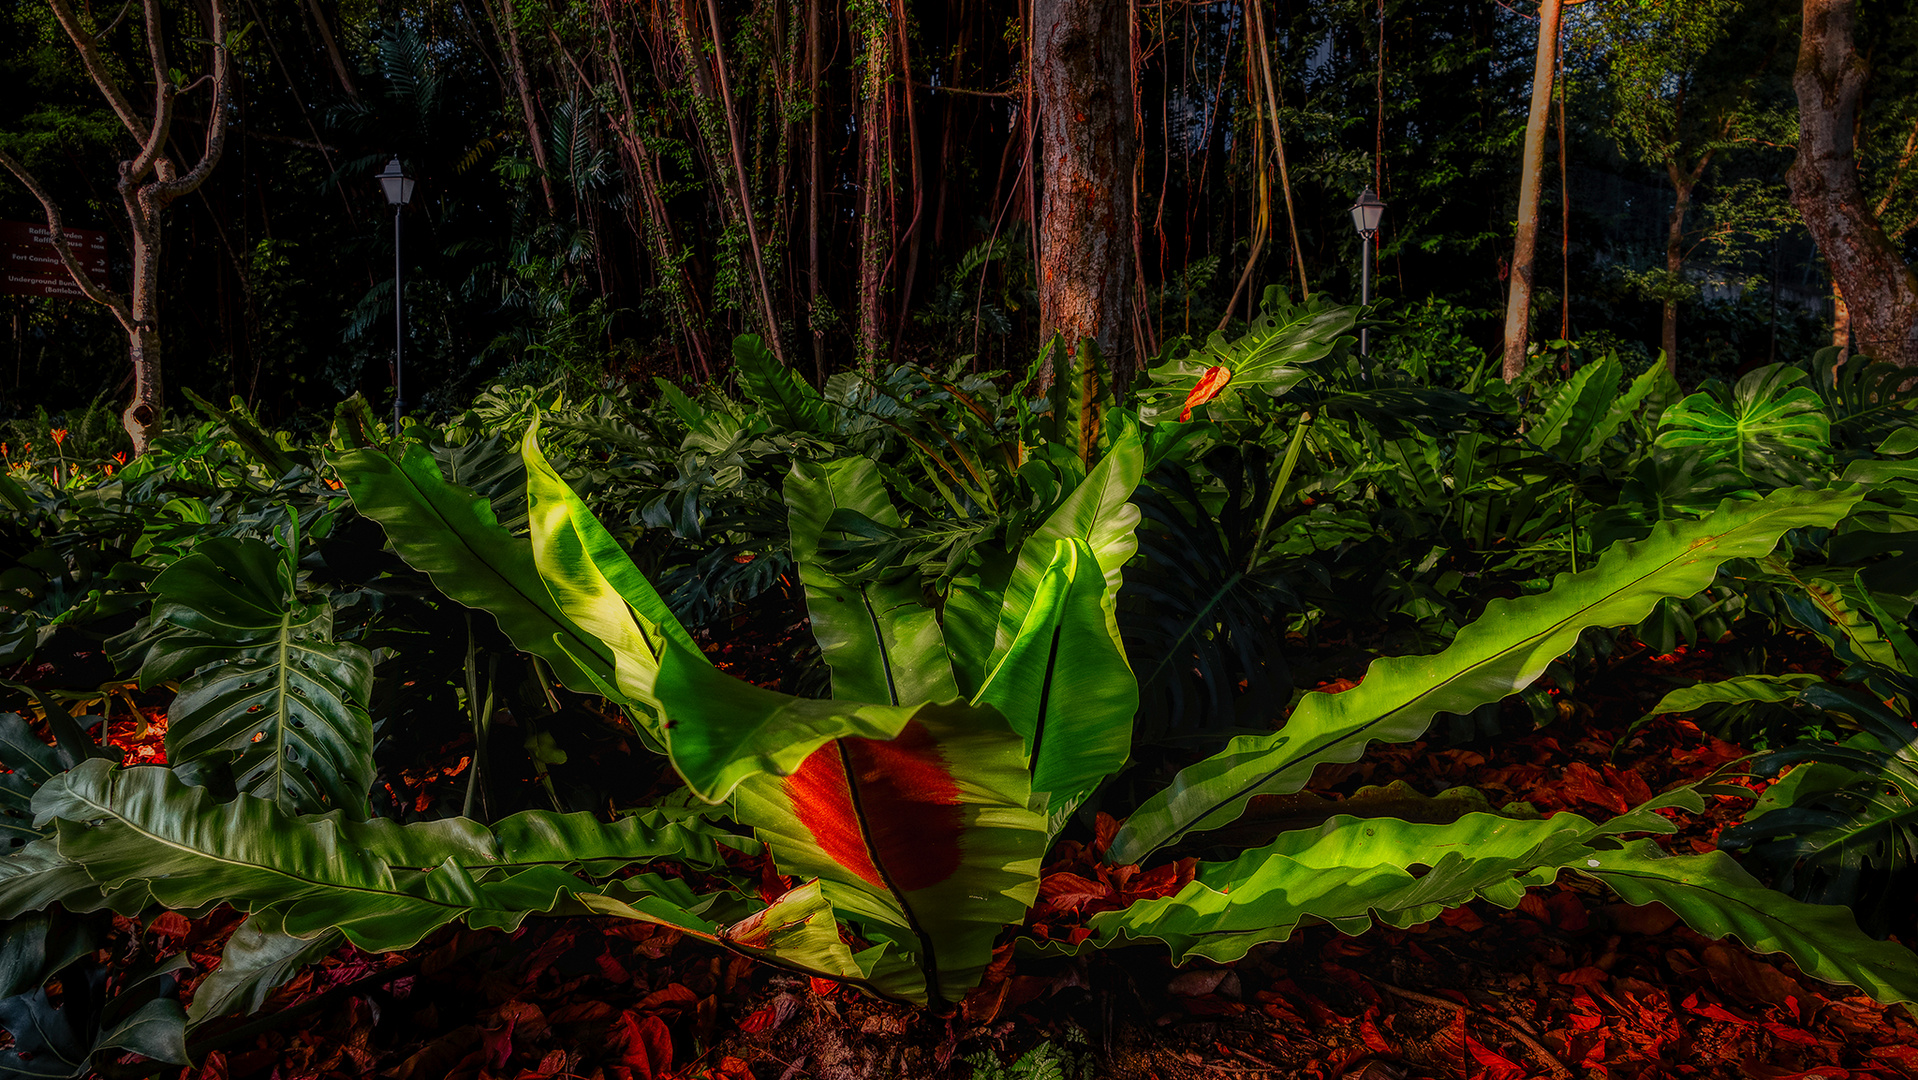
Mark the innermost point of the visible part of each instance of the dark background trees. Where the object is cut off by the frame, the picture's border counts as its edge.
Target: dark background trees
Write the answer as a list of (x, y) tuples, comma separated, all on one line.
[(613, 190)]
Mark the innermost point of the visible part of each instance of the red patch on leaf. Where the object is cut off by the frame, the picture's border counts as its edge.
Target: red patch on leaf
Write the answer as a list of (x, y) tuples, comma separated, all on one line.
[(1208, 387), (907, 818)]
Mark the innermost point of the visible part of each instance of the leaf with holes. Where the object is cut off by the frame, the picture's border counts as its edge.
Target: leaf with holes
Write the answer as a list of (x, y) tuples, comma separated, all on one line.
[(268, 684)]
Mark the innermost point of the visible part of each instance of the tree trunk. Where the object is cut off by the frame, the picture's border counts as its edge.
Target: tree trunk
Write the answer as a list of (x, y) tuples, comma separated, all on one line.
[(1674, 268), (508, 34), (1083, 74), (1840, 323), (1518, 301), (875, 185), (1880, 290)]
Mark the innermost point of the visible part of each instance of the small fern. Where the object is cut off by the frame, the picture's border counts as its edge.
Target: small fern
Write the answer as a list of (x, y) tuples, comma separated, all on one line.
[(1065, 1060)]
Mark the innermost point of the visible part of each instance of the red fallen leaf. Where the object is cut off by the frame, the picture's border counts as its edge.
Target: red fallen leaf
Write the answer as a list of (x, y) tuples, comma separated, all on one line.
[(214, 1067), (584, 1012), (1461, 918), (668, 998), (1532, 906), (640, 1043), (171, 925), (761, 1019), (1711, 1010), (1497, 1065), (1585, 976), (1568, 911), (1371, 1036), (1105, 827), (1647, 919), (1790, 1034), (1906, 1056), (825, 987), (1205, 390)]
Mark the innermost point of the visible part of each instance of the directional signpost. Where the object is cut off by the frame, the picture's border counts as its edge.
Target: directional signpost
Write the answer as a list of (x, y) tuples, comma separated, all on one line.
[(31, 266)]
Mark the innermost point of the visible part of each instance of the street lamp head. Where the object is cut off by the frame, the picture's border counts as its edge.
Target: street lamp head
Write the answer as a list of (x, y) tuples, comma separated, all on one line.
[(1366, 214), (397, 185)]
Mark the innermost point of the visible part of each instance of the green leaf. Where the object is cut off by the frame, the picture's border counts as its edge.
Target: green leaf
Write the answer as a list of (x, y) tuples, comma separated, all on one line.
[(926, 839), (156, 1030), (385, 886), (1575, 409), (1347, 873), (1500, 654), (258, 957), (1716, 897), (452, 537), (1100, 513), (1065, 686), (1741, 689), (782, 396), (1271, 356), (798, 930), (1764, 425), (271, 687), (879, 638)]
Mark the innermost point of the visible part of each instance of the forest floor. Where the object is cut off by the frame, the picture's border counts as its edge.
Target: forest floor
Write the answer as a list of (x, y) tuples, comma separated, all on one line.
[(1572, 983)]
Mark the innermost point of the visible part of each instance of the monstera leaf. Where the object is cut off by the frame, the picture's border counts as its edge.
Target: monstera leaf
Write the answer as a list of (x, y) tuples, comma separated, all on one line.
[(269, 686), (1765, 426), (1499, 655)]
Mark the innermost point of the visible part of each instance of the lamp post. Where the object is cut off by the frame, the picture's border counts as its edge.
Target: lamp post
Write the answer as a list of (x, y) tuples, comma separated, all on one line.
[(399, 190), (1365, 218)]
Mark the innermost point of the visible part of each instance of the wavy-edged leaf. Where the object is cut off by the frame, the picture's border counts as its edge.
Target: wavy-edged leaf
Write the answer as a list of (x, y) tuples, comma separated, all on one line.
[(1499, 655), (783, 396), (1348, 873), (453, 537), (927, 838), (798, 930), (259, 956), (1716, 897), (1065, 686), (1575, 408), (270, 685), (1738, 690), (385, 886), (879, 638), (29, 763)]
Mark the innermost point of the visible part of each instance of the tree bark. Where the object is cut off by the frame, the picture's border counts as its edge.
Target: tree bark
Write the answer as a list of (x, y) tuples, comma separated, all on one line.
[(1083, 74), (1674, 264), (1880, 291), (1518, 301), (149, 183)]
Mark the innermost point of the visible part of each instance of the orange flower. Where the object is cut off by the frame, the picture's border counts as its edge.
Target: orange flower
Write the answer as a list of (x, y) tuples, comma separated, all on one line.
[(120, 456), (59, 436)]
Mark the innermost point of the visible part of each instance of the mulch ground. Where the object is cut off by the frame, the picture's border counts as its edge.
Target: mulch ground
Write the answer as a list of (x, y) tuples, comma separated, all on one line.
[(1570, 984)]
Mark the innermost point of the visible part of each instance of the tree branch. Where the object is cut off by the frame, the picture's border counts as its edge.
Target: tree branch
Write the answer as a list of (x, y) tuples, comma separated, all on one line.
[(112, 301), (163, 93), (90, 56), (216, 113)]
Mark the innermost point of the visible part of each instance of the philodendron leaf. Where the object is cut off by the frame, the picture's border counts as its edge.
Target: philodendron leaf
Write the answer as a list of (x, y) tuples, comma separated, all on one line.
[(927, 838), (1716, 897), (1741, 689), (270, 686), (259, 956), (1271, 356), (452, 536), (783, 396), (385, 886), (1498, 655), (1065, 686), (879, 638)]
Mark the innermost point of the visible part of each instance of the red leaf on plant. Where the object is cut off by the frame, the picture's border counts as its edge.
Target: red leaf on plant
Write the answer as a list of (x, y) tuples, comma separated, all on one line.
[(1070, 892), (1207, 388)]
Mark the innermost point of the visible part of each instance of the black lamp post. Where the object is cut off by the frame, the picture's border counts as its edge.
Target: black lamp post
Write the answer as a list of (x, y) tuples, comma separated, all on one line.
[(1365, 218), (399, 190)]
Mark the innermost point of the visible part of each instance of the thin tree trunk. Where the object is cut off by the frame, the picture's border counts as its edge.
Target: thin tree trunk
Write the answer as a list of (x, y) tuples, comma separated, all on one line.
[(815, 194), (1083, 74), (340, 69), (875, 187), (1840, 323), (1518, 303), (766, 309), (1674, 265), (1880, 290), (516, 63)]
